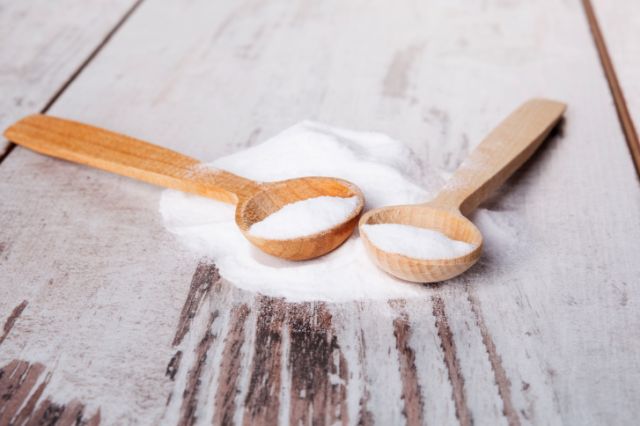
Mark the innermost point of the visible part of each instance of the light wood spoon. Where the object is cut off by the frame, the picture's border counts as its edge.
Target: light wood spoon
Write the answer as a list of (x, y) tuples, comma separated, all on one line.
[(123, 155), (502, 152)]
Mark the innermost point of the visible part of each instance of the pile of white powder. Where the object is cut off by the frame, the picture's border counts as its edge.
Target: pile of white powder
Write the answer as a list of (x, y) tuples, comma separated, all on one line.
[(305, 217), (385, 170), (418, 243)]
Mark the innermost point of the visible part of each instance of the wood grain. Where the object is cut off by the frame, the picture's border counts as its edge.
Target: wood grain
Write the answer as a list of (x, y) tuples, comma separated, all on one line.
[(230, 366), (619, 58), (491, 163), (192, 389), (42, 49), (11, 320), (500, 376), (411, 390), (204, 278), (262, 402), (120, 154), (452, 362), (549, 333), (319, 378), (21, 387), (507, 147)]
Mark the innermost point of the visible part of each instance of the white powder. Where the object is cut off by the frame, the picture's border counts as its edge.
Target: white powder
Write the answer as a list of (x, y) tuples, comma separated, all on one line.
[(305, 217), (415, 242), (386, 171)]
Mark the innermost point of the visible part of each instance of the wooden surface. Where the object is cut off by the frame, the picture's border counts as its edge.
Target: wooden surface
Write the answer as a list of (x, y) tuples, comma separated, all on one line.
[(501, 153), (616, 38), (120, 154), (107, 318), (43, 44)]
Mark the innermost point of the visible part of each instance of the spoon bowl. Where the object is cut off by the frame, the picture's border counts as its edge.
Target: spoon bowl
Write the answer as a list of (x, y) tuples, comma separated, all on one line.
[(449, 222), (506, 148), (274, 196), (123, 155)]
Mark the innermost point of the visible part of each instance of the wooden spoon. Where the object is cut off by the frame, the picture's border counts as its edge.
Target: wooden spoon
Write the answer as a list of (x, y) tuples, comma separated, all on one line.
[(84, 144), (502, 152)]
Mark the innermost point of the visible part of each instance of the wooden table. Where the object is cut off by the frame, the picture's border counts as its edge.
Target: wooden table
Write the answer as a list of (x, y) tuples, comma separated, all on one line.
[(106, 318)]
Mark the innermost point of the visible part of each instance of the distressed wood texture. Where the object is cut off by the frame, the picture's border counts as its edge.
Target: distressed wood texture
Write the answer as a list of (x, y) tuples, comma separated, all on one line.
[(107, 318), (116, 153), (42, 44), (509, 145), (619, 23)]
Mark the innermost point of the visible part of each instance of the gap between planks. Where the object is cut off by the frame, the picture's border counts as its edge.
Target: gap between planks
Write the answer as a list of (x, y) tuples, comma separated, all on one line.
[(628, 127), (78, 71)]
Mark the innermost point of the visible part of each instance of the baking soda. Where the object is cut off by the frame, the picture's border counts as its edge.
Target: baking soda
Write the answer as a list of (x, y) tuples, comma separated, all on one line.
[(386, 171), (305, 217), (415, 242)]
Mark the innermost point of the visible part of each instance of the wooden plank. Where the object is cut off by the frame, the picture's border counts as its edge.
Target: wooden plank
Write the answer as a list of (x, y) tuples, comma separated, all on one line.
[(133, 327), (43, 44), (614, 30)]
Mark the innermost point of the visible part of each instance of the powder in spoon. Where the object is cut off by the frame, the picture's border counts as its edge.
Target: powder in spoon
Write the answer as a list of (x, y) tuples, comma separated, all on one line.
[(305, 217), (385, 169), (415, 242)]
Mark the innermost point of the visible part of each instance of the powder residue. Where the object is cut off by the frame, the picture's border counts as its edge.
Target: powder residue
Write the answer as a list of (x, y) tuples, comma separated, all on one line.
[(305, 217), (385, 170), (415, 242)]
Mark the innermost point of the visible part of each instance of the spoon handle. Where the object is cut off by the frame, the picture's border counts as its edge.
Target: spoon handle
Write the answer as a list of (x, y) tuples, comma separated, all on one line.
[(500, 154), (123, 155)]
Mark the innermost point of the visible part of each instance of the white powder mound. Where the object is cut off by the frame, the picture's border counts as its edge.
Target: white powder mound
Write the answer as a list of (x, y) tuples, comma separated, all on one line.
[(418, 243), (386, 171), (305, 217)]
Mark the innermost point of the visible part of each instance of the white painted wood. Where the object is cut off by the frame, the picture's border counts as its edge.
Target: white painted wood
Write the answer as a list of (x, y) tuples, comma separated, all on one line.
[(42, 43), (546, 325), (619, 22)]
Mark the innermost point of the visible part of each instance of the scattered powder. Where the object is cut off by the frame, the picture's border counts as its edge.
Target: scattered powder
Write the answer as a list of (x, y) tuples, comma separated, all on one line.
[(415, 242), (304, 218), (387, 172)]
